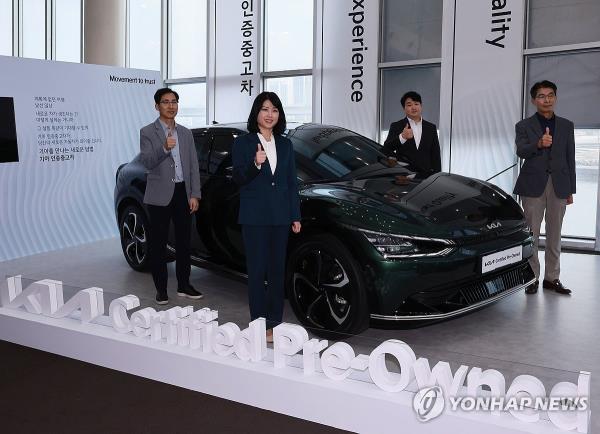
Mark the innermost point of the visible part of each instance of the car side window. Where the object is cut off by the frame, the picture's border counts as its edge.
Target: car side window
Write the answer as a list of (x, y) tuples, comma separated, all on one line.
[(202, 142), (220, 151)]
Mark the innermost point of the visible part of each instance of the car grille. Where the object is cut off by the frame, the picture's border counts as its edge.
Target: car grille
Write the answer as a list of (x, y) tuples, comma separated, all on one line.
[(487, 236), (484, 289)]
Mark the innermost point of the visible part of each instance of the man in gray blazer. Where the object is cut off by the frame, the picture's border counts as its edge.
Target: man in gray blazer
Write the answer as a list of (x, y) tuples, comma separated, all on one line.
[(546, 182), (168, 152)]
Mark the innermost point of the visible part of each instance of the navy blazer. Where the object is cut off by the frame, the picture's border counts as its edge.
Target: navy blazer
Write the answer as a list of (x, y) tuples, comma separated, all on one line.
[(265, 198), (558, 161)]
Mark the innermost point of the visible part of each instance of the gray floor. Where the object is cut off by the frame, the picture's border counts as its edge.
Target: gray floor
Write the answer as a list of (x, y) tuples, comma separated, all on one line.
[(547, 335)]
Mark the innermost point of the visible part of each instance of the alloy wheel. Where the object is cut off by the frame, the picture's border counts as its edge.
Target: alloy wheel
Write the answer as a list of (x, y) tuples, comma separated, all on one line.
[(133, 238), (322, 289)]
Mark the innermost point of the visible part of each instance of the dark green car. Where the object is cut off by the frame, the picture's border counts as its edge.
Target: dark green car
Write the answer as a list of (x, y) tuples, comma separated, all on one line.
[(379, 243)]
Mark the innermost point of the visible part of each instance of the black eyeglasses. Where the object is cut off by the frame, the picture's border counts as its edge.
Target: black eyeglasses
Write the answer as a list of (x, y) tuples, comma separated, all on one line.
[(550, 96), (165, 102)]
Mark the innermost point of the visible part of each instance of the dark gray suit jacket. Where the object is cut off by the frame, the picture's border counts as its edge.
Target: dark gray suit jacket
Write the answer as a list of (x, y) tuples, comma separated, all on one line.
[(558, 161), (160, 181)]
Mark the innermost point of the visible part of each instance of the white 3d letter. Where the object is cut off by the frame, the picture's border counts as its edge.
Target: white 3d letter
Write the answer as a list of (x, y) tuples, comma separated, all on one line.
[(522, 386), (441, 374), (90, 301), (288, 339), (336, 361), (141, 321), (572, 419), (378, 370), (118, 312), (251, 343), (310, 354), (490, 377), (224, 338)]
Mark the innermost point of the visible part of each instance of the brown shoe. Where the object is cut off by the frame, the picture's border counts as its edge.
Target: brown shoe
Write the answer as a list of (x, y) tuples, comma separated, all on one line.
[(557, 286), (532, 288)]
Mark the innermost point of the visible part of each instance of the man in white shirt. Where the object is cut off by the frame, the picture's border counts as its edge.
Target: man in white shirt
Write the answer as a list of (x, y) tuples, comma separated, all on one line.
[(413, 139)]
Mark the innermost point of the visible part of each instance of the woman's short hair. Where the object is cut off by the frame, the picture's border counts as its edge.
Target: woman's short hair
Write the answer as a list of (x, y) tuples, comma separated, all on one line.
[(252, 126)]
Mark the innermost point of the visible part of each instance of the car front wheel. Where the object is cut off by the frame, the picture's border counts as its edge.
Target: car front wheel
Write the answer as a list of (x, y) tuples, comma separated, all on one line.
[(326, 289)]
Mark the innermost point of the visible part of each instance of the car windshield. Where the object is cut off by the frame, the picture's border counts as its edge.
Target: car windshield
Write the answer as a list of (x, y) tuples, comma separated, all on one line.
[(332, 153)]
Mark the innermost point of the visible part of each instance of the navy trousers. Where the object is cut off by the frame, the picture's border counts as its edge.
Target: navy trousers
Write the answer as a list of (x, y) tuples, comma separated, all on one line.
[(265, 248), (177, 210)]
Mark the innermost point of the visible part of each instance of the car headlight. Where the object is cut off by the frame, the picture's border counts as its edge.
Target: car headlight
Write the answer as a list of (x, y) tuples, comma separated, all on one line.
[(392, 246), (387, 244)]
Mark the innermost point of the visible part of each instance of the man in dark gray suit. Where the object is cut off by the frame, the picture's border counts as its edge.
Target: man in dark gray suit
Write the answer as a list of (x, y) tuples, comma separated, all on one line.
[(172, 192), (546, 182)]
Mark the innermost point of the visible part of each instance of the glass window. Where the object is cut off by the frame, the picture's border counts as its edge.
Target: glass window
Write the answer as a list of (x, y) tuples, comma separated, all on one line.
[(188, 31), (6, 24), (144, 34), (562, 22), (202, 141), (577, 77), (192, 104), (425, 80), (68, 30), (324, 152), (34, 29), (412, 29), (289, 34), (295, 94)]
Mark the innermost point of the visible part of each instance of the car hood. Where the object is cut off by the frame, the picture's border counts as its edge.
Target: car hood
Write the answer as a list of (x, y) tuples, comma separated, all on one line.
[(442, 205)]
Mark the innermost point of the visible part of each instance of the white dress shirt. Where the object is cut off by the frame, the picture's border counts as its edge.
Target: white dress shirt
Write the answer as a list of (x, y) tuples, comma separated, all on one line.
[(417, 128), (271, 151), (175, 151)]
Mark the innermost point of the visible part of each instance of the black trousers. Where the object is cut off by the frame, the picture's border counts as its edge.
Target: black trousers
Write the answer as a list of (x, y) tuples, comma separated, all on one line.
[(160, 216), (265, 248)]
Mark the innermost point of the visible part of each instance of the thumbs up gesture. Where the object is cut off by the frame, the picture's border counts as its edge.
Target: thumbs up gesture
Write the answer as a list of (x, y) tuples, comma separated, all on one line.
[(260, 156), (171, 142), (407, 133), (546, 140)]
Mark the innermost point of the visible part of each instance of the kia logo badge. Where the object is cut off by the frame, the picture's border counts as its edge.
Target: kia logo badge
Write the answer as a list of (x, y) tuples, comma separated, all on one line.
[(494, 225)]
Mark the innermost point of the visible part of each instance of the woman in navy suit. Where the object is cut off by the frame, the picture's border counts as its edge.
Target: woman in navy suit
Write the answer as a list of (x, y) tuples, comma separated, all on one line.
[(265, 170)]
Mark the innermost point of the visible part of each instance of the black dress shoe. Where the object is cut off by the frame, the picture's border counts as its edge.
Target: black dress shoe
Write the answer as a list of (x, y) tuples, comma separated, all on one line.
[(189, 292), (161, 299), (532, 288), (557, 286)]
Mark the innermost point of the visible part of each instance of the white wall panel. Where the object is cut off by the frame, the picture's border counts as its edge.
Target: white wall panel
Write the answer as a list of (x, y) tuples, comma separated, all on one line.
[(487, 88), (350, 30), (236, 59), (74, 128)]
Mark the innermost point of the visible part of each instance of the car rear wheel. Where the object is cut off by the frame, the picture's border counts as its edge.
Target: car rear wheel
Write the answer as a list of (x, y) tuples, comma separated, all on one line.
[(133, 227), (326, 289)]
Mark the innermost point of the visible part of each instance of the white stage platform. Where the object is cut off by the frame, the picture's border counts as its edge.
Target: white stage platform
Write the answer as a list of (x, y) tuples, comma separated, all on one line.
[(355, 404)]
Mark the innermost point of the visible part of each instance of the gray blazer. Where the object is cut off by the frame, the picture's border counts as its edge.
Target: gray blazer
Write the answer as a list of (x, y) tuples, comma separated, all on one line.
[(160, 166), (558, 161)]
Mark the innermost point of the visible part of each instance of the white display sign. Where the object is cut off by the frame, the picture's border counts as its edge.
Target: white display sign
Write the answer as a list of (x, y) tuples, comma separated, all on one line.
[(501, 259), (350, 50), (237, 74), (486, 102), (567, 405), (75, 125)]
